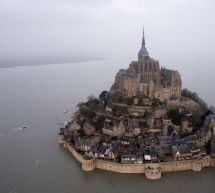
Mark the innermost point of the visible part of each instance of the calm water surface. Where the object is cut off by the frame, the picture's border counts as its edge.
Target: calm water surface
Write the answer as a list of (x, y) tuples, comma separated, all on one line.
[(31, 161)]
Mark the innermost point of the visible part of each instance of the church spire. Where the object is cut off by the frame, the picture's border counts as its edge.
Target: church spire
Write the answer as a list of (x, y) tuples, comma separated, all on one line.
[(143, 40), (143, 51)]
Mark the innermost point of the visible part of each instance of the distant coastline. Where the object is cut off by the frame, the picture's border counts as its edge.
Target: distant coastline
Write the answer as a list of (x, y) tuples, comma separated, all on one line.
[(38, 61)]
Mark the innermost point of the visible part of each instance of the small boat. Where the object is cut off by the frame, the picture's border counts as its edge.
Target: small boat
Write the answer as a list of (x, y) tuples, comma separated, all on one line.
[(153, 173), (65, 124), (66, 111), (24, 127)]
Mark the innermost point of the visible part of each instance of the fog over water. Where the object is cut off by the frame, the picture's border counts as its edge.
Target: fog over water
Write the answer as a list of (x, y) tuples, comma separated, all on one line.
[(55, 53), (179, 33)]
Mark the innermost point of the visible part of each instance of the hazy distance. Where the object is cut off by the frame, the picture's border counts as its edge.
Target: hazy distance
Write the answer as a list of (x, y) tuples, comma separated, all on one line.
[(179, 33)]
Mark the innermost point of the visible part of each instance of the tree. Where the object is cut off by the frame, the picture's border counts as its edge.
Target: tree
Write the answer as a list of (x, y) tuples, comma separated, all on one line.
[(87, 112), (175, 116), (94, 104), (103, 96), (120, 110), (91, 97), (194, 96), (122, 99), (212, 109)]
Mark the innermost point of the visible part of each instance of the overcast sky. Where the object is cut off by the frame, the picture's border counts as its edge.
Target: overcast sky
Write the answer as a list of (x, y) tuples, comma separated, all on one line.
[(180, 33), (61, 27)]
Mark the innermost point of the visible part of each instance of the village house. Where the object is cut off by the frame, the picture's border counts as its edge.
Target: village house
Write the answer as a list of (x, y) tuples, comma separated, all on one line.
[(159, 112), (88, 129), (74, 126), (150, 121), (166, 124), (162, 157), (165, 140), (147, 156), (181, 152), (166, 150), (131, 159), (191, 139), (108, 109), (111, 153), (86, 143), (138, 110), (136, 101), (196, 151), (185, 126), (133, 128), (124, 141), (112, 129)]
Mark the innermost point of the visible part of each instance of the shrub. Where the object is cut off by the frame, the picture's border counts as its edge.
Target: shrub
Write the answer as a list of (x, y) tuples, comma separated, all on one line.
[(103, 97), (194, 96), (175, 116), (87, 112), (120, 110), (94, 104), (120, 98)]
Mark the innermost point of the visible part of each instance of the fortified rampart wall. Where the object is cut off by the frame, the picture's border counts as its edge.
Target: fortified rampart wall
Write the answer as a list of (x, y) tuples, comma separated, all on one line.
[(195, 165), (89, 165), (212, 162)]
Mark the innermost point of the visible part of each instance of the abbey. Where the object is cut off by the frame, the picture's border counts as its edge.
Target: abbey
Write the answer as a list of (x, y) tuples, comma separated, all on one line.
[(145, 120), (145, 78)]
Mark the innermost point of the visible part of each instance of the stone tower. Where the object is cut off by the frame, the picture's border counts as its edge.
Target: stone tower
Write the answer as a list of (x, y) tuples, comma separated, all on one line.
[(150, 68), (145, 79)]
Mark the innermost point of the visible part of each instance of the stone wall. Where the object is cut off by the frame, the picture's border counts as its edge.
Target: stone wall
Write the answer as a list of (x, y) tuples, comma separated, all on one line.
[(120, 168), (195, 165), (165, 166), (212, 162), (73, 152), (139, 110), (89, 165)]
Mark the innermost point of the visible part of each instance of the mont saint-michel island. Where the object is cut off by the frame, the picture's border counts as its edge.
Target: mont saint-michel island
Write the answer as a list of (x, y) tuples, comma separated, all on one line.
[(146, 123)]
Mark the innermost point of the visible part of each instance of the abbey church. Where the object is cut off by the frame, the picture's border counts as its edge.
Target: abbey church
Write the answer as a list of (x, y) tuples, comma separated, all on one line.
[(144, 78)]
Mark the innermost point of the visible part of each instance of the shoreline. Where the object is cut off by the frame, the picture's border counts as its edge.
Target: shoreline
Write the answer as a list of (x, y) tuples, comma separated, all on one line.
[(90, 165)]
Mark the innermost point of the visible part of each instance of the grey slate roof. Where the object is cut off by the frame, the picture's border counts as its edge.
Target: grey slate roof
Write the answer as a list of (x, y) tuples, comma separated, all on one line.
[(143, 51)]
